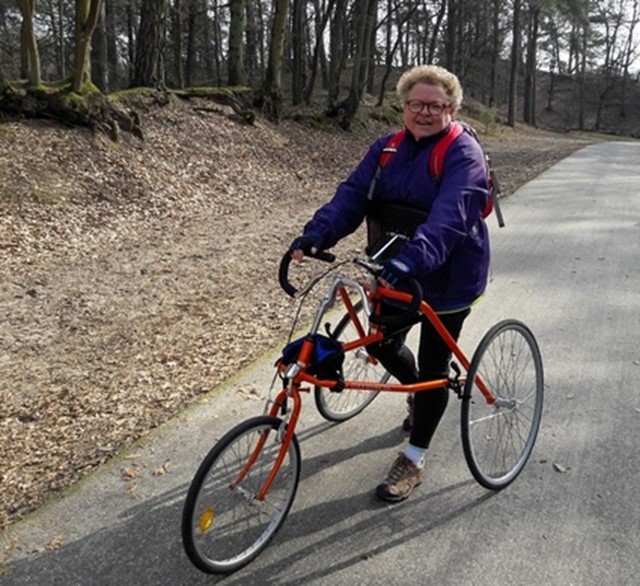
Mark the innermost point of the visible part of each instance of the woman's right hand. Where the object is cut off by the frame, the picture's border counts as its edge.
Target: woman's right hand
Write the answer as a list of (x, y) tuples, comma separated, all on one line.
[(303, 245)]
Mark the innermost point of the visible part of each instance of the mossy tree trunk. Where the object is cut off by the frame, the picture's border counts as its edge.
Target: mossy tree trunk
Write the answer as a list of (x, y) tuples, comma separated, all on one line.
[(87, 12), (30, 57)]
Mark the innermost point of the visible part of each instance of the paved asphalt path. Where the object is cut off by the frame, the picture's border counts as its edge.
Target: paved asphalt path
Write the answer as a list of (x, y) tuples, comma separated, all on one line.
[(566, 264)]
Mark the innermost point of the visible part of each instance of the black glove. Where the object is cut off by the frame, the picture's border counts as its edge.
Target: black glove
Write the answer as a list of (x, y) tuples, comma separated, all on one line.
[(304, 243), (394, 271)]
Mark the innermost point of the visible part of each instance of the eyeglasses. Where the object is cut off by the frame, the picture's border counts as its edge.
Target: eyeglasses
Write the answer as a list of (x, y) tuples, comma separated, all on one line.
[(433, 108)]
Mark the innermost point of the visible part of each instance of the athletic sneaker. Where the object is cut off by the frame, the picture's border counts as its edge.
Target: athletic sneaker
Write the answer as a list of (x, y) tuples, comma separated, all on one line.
[(403, 477)]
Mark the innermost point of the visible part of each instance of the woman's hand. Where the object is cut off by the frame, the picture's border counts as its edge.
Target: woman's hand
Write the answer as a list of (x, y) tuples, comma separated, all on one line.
[(303, 245), (394, 271)]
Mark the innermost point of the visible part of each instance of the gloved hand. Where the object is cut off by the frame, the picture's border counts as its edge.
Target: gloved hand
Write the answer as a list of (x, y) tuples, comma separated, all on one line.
[(394, 271), (304, 243)]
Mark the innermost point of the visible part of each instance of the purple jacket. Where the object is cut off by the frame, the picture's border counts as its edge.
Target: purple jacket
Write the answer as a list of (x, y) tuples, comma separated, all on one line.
[(449, 252)]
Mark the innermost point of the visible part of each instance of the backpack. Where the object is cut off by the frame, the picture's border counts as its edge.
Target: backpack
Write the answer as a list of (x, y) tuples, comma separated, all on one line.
[(436, 164), (326, 360)]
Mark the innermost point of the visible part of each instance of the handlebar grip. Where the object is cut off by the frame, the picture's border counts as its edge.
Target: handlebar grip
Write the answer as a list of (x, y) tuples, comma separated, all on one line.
[(283, 271), (407, 317)]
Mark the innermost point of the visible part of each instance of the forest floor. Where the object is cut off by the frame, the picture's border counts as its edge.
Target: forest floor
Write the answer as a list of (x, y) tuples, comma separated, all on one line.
[(136, 276)]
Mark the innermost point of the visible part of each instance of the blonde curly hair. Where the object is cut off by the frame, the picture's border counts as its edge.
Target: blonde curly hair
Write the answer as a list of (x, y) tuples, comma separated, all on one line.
[(431, 75)]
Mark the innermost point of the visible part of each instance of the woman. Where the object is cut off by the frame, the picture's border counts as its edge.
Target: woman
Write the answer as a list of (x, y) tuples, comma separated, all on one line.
[(448, 251)]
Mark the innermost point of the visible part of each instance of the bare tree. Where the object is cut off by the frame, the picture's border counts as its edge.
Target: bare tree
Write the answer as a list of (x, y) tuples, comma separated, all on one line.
[(390, 49), (99, 66), (298, 49), (496, 49), (365, 25), (30, 58), (531, 65), (176, 37), (336, 54), (236, 46), (628, 57), (149, 67), (322, 17), (254, 54), (112, 47), (272, 88), (513, 67)]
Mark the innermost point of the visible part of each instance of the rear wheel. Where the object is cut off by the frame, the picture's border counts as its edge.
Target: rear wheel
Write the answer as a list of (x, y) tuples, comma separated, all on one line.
[(224, 526), (498, 439), (358, 365)]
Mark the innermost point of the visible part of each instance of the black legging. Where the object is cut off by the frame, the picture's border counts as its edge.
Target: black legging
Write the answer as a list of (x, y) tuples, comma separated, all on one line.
[(433, 357)]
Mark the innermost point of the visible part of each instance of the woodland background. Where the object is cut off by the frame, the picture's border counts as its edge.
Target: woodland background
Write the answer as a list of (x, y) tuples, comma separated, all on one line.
[(566, 64)]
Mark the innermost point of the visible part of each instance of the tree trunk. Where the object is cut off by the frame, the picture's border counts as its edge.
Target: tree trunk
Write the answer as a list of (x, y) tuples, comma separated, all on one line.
[(633, 21), (252, 59), (99, 67), (391, 49), (112, 47), (55, 23), (513, 72), (348, 108), (176, 33), (210, 64), (149, 66), (236, 44), (335, 54), (131, 43), (191, 43), (30, 58), (436, 31), (582, 81), (272, 89), (297, 50), (216, 43), (450, 34), (321, 24), (87, 12), (529, 104), (496, 46)]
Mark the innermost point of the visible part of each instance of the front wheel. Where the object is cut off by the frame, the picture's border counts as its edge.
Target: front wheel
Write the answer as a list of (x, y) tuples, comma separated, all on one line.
[(224, 526), (358, 365), (498, 438)]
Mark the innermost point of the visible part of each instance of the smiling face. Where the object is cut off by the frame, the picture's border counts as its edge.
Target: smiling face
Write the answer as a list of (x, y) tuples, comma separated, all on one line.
[(426, 121)]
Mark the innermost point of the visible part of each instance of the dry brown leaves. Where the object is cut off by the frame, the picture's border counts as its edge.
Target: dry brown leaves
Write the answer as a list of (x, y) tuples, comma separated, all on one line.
[(134, 277)]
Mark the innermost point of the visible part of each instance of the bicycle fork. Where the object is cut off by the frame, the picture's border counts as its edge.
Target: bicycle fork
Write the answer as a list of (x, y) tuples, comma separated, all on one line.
[(284, 435)]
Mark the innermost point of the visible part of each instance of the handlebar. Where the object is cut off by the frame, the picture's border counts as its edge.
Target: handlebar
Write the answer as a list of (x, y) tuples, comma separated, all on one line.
[(405, 318), (283, 272)]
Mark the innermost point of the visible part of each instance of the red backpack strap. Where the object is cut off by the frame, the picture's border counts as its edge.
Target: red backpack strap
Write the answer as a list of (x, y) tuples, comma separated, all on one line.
[(386, 155), (391, 148), (436, 157)]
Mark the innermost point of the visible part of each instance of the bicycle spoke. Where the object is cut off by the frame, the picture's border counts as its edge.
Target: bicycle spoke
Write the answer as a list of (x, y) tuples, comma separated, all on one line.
[(498, 438)]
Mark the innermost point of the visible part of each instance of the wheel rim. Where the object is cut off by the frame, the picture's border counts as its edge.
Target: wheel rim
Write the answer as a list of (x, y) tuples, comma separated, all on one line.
[(358, 365), (501, 436), (229, 527)]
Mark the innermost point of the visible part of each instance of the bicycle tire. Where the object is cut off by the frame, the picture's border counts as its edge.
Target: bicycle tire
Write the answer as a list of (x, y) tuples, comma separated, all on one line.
[(498, 439), (224, 527), (358, 365)]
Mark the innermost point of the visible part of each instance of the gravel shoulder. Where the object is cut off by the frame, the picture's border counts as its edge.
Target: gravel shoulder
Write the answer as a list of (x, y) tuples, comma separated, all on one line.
[(135, 277)]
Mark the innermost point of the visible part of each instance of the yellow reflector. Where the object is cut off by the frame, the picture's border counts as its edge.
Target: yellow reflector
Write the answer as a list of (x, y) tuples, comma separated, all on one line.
[(206, 520)]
